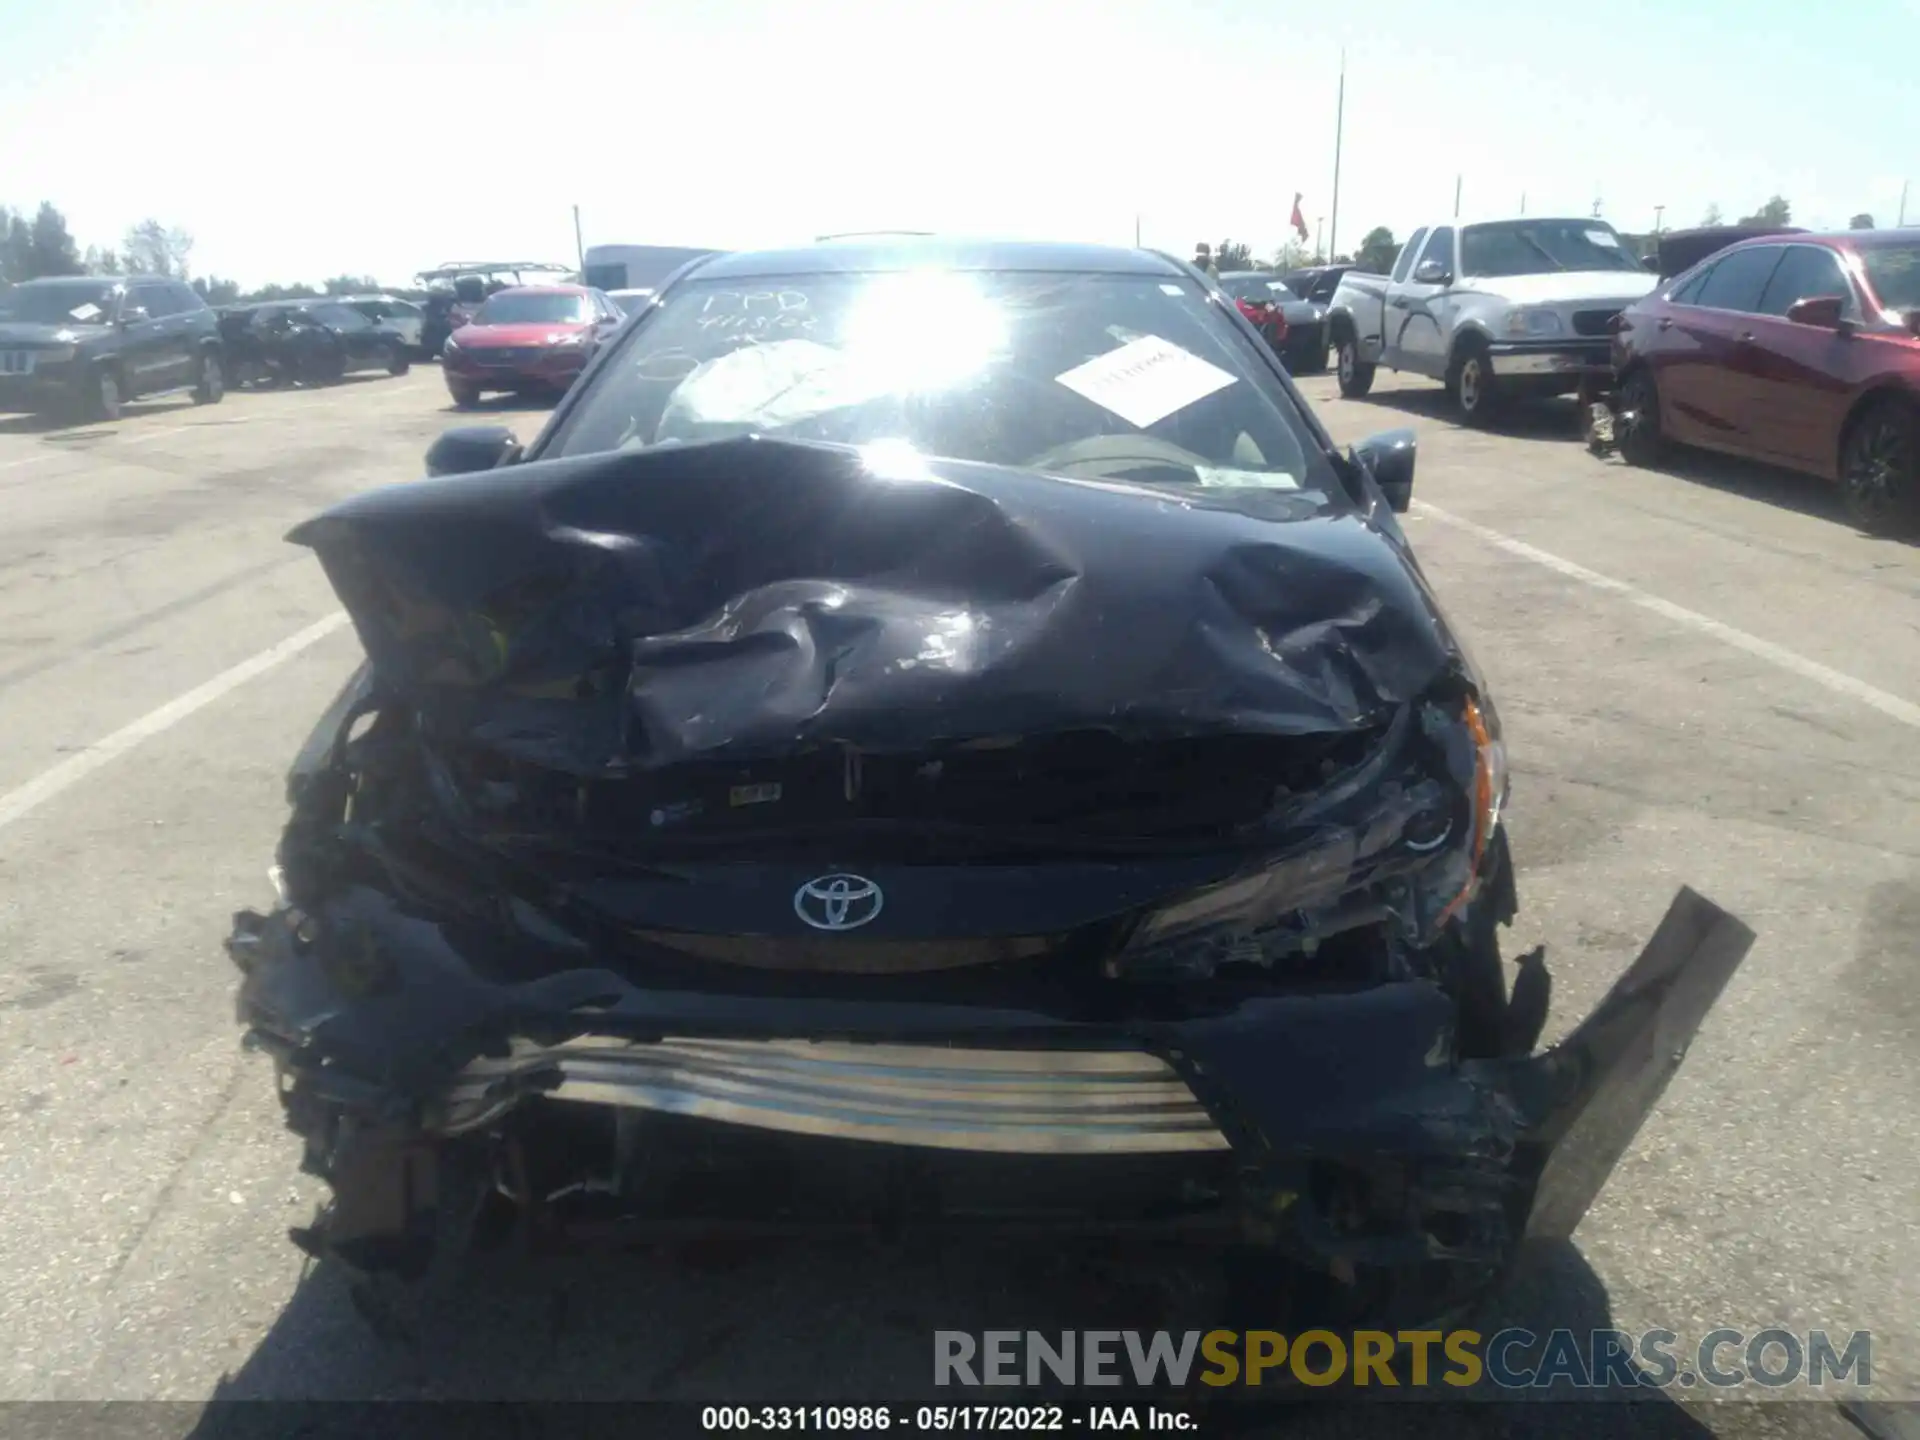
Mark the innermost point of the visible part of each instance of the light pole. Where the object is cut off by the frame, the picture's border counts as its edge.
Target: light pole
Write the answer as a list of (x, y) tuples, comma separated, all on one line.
[(1658, 211), (1339, 127)]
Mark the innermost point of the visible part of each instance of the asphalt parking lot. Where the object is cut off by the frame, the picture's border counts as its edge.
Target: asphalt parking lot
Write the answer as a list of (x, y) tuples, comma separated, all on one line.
[(1707, 678)]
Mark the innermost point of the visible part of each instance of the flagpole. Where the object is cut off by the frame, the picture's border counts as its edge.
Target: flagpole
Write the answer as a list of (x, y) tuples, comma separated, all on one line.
[(1339, 123)]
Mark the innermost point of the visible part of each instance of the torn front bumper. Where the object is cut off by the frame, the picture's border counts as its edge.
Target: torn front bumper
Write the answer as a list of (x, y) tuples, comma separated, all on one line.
[(1337, 1130)]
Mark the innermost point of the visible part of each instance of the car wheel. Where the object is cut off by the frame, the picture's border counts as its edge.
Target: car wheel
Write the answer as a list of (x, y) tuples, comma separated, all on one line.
[(1356, 376), (1880, 468), (103, 399), (465, 397), (1471, 384), (211, 385), (1638, 432), (397, 361)]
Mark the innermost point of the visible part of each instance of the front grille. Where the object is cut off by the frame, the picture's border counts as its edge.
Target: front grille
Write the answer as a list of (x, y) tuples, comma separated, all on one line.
[(16, 362), (1028, 1102), (1593, 322), (503, 355)]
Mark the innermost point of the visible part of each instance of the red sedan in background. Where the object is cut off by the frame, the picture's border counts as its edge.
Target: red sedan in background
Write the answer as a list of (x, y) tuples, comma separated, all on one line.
[(527, 338), (1798, 350)]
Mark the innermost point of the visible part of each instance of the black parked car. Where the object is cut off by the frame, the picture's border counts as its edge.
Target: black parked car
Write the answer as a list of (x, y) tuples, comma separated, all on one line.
[(82, 347), (1316, 283), (1007, 770), (1305, 347), (310, 342)]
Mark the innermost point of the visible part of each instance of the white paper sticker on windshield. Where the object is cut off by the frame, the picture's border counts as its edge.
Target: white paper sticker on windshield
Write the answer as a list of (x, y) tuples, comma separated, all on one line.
[(1215, 477), (1145, 380), (1603, 237), (86, 312)]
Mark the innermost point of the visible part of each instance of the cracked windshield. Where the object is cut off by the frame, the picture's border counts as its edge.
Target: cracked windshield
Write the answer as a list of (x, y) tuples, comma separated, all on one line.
[(861, 733)]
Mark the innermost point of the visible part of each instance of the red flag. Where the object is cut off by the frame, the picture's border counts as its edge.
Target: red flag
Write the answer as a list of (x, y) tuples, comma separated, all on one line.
[(1299, 220)]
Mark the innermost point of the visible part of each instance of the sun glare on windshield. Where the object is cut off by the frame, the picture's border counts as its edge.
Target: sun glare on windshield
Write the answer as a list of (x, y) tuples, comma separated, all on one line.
[(887, 334)]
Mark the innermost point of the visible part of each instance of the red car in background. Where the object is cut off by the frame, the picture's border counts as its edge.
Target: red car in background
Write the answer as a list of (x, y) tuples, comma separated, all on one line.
[(1798, 350), (528, 338)]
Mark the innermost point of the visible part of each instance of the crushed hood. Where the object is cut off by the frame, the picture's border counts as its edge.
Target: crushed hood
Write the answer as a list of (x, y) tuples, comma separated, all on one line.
[(750, 597)]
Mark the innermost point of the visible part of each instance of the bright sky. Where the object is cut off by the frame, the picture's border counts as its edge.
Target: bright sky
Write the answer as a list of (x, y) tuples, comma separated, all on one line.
[(299, 139)]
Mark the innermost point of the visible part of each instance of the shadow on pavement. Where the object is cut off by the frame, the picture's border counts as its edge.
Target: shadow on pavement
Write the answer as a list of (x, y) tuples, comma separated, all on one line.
[(853, 1322), (1549, 419), (507, 404), (1787, 489), (57, 428)]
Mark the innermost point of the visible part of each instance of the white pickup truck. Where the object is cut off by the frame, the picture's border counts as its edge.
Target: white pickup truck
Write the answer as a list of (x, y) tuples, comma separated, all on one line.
[(1499, 310)]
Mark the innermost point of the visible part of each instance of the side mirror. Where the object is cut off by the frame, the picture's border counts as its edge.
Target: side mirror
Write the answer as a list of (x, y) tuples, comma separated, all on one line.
[(1652, 262), (468, 449), (1823, 311), (1388, 457), (133, 314), (1431, 272)]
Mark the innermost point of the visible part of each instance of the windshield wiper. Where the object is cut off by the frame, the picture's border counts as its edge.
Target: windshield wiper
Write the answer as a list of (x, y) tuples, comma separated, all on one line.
[(1545, 253)]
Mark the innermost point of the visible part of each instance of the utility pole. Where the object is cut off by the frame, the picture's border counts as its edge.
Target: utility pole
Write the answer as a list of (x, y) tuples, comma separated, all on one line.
[(1658, 211), (1903, 205), (1339, 120), (1523, 202), (1136, 229), (1319, 225), (579, 248), (1456, 197)]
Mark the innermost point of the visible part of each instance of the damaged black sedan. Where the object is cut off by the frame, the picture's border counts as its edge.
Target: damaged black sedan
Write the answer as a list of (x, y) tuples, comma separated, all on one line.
[(929, 733)]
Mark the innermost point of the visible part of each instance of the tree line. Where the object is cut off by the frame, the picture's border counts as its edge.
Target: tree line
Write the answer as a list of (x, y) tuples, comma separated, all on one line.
[(35, 246)]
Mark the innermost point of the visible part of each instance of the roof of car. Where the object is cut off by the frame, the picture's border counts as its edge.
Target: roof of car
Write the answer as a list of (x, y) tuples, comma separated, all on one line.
[(856, 254), (540, 290), (1870, 239)]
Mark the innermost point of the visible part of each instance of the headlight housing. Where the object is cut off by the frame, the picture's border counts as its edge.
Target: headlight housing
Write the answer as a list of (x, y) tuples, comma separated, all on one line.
[(1534, 324), (1406, 849)]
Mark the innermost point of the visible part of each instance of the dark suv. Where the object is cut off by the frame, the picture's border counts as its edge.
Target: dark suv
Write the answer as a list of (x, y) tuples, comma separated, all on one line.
[(80, 347)]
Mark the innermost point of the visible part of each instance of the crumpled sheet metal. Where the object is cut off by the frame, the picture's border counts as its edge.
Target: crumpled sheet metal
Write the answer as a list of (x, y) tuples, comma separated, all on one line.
[(749, 597)]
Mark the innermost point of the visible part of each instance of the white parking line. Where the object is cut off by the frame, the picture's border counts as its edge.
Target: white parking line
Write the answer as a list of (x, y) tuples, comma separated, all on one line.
[(18, 804), (1905, 711)]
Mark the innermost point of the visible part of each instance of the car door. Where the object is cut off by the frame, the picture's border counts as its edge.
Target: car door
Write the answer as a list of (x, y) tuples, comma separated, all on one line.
[(1421, 311), (606, 316), (1390, 313), (180, 331), (1708, 384), (144, 353), (362, 342), (1804, 375)]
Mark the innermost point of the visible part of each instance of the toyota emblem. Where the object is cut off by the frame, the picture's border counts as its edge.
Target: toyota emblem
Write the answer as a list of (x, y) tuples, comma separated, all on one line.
[(837, 902)]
